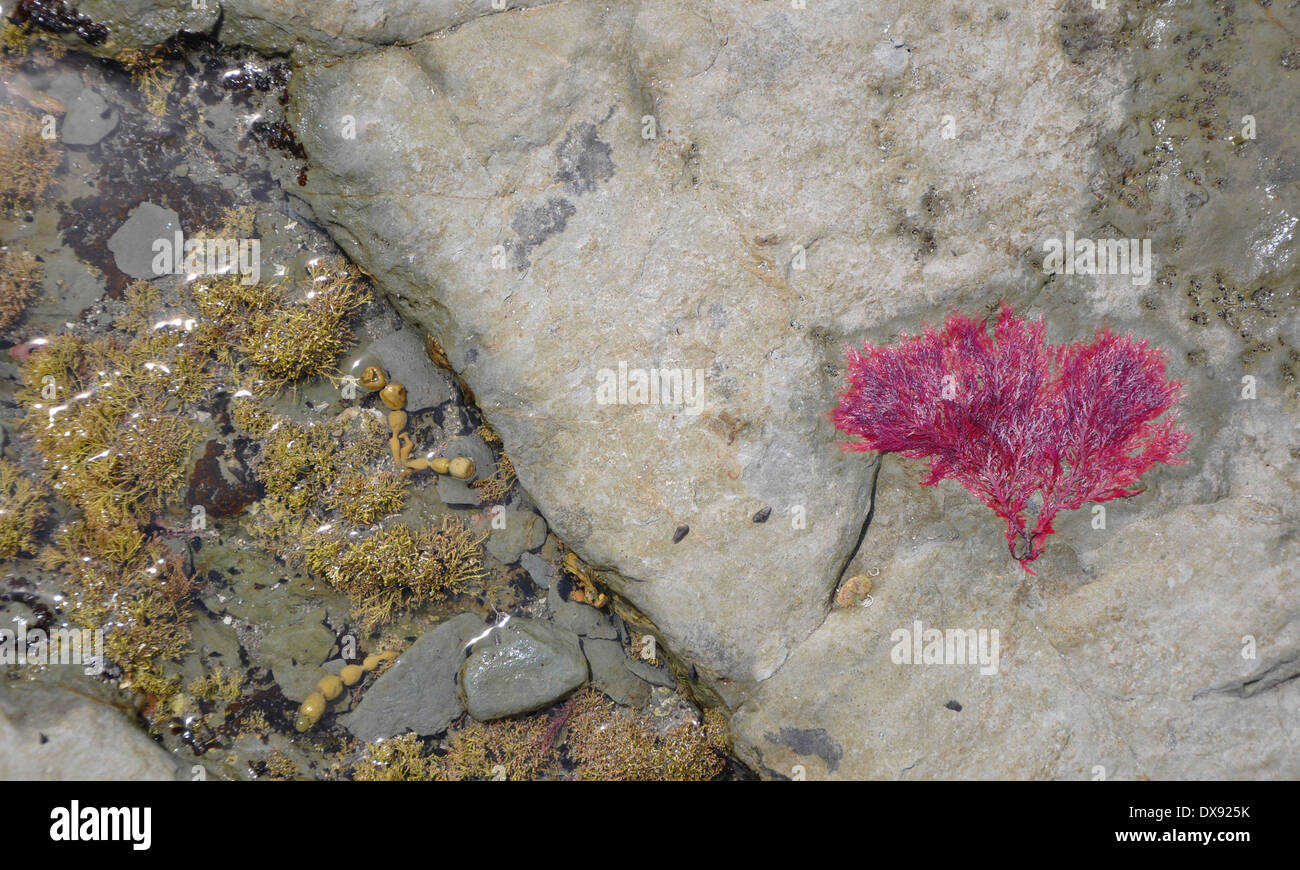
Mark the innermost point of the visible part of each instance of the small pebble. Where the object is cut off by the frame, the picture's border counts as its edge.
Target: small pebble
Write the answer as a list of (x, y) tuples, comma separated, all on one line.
[(681, 532), (761, 516), (953, 705)]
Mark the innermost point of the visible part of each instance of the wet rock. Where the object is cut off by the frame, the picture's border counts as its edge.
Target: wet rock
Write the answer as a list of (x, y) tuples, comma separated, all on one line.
[(523, 531), (52, 733), (418, 693), (525, 665), (294, 654), (541, 300), (655, 675), (132, 244), (89, 119), (608, 673), (399, 349), (579, 618), (327, 28), (459, 492), (582, 619)]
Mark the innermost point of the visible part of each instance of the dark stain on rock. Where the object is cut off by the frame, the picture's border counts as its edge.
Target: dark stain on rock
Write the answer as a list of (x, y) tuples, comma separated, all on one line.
[(810, 741), (583, 159), (277, 135), (137, 164), (536, 223), (222, 486)]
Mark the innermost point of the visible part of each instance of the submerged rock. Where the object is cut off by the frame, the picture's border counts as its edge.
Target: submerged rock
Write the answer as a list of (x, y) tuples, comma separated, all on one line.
[(132, 244), (51, 733), (525, 665), (89, 119), (418, 693), (522, 532)]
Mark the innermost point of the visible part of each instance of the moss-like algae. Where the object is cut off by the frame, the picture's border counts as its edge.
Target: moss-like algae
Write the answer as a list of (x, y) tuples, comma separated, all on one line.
[(606, 744), (20, 278), (283, 332), (361, 499), (27, 160), (22, 510), (397, 568)]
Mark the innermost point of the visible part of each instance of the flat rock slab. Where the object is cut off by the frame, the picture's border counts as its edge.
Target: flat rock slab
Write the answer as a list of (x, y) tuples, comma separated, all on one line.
[(524, 665), (132, 244), (51, 733), (418, 693), (715, 204)]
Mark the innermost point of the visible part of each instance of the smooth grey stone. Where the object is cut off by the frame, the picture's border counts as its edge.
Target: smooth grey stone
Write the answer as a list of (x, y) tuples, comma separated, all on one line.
[(418, 693), (525, 665)]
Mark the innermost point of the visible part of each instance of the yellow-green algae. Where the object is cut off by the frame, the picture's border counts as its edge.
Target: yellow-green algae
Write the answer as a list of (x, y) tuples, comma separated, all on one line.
[(22, 510)]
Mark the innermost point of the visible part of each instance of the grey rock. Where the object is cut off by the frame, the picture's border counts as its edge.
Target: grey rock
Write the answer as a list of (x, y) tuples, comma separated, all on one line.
[(418, 692), (132, 244), (459, 492), (618, 261), (655, 675), (295, 652), (579, 618), (523, 530), (1123, 654), (525, 665), (52, 733), (89, 119), (324, 29), (385, 339), (541, 571), (608, 673)]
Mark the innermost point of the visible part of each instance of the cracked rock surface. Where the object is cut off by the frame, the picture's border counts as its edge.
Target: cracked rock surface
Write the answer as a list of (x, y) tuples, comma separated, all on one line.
[(742, 191)]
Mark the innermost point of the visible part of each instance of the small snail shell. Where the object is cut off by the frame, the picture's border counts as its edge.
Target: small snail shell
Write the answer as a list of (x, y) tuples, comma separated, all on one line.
[(441, 465), (373, 378), (330, 686), (394, 396), (461, 468), (310, 712), (351, 675)]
